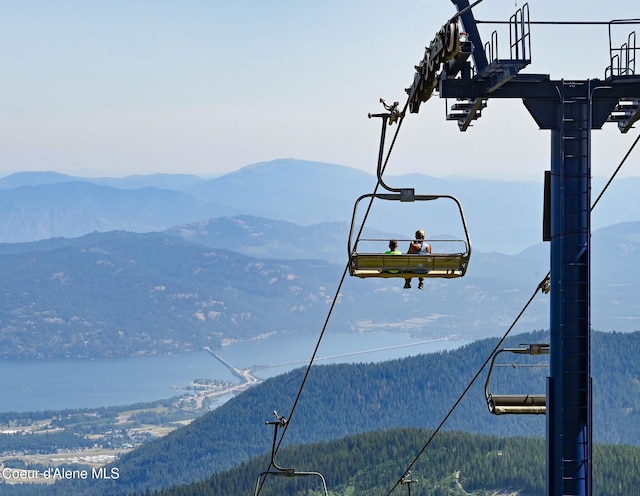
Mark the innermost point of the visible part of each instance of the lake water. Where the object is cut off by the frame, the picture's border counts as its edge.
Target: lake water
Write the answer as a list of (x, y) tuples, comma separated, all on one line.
[(32, 385)]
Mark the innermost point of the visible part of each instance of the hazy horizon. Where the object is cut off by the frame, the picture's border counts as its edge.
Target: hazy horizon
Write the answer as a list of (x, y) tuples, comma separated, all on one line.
[(207, 87)]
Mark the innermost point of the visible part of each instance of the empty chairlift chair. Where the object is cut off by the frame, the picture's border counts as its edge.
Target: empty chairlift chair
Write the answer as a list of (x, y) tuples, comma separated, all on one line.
[(278, 471), (502, 404)]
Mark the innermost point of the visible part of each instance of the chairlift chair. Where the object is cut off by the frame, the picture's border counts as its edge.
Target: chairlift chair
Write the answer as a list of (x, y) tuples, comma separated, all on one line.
[(446, 264), (502, 404), (281, 471), (449, 263)]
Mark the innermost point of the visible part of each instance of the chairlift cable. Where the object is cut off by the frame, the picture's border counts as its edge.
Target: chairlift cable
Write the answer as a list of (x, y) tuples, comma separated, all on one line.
[(541, 286), (304, 379), (337, 293), (464, 11), (466, 390), (333, 303), (616, 172), (568, 23)]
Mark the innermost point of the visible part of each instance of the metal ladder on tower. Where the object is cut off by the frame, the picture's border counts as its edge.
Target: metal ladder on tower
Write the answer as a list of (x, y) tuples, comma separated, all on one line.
[(576, 136)]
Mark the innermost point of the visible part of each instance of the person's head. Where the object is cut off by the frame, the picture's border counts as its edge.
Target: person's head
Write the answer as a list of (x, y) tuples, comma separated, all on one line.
[(393, 245), (420, 234)]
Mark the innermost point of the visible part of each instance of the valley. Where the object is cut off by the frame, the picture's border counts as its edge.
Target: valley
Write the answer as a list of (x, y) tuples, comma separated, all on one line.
[(95, 437)]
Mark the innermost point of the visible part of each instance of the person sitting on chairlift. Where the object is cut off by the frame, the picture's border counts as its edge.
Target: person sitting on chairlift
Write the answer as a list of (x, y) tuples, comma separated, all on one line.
[(393, 250), (419, 247)]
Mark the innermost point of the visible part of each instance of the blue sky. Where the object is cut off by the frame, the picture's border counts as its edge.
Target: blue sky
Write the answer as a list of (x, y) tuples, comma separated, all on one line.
[(137, 87)]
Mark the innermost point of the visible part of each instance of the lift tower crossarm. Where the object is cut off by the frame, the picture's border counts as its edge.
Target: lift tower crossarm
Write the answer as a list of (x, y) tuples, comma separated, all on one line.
[(469, 26), (538, 86)]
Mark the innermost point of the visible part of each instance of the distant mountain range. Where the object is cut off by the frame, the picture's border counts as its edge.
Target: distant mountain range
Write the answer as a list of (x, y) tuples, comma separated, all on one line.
[(142, 265), (121, 293), (503, 216), (164, 181)]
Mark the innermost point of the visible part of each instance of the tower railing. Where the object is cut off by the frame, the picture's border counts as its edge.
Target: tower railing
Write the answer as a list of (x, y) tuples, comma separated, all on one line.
[(519, 34), (622, 58)]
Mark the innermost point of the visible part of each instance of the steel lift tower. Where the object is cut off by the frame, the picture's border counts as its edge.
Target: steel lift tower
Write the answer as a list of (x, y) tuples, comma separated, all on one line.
[(570, 110)]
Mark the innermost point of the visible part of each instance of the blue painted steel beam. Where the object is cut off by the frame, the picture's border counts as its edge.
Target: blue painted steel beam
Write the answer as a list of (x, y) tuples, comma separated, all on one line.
[(569, 465), (579, 107), (469, 25), (527, 86)]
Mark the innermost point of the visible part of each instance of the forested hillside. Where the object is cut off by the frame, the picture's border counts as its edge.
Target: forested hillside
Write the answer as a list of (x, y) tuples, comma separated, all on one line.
[(340, 400), (454, 463), (127, 294)]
